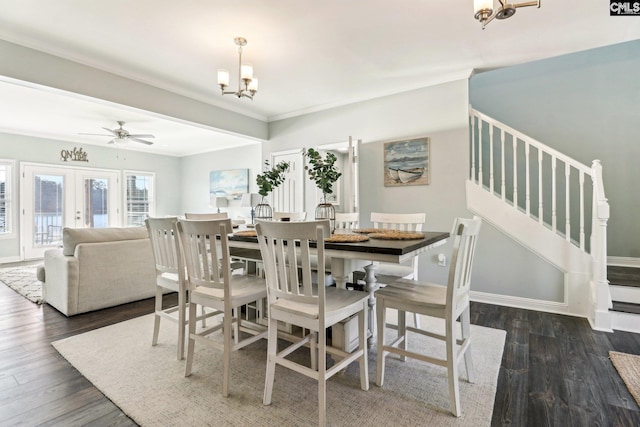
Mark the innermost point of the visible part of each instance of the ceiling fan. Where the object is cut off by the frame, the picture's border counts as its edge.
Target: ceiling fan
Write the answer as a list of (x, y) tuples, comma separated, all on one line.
[(122, 136)]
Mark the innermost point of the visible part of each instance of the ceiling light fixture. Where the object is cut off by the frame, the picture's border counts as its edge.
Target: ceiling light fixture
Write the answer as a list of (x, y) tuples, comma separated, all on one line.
[(484, 13), (245, 75)]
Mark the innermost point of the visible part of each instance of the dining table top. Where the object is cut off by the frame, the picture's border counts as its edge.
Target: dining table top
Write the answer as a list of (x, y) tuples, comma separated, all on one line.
[(371, 246)]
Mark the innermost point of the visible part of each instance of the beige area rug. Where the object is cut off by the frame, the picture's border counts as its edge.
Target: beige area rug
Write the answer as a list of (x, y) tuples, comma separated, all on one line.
[(23, 280), (628, 366), (148, 384)]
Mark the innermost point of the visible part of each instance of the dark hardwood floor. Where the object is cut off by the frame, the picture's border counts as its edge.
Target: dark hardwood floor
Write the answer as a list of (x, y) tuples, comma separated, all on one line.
[(555, 370)]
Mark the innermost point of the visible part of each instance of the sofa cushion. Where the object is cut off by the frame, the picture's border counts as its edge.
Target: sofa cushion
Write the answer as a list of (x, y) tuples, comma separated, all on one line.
[(71, 237)]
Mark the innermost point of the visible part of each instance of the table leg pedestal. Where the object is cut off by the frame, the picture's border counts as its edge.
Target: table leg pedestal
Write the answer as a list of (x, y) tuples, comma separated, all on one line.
[(371, 286)]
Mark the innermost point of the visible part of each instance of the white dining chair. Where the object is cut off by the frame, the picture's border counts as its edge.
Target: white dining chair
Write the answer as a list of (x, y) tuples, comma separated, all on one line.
[(347, 220), (450, 302), (170, 276), (211, 284), (206, 216), (293, 298)]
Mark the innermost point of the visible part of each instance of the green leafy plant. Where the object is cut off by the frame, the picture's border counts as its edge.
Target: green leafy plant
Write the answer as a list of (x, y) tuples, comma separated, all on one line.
[(271, 178), (322, 171)]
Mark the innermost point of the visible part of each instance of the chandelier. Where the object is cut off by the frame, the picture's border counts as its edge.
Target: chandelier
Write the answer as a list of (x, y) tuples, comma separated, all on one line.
[(484, 12), (245, 76)]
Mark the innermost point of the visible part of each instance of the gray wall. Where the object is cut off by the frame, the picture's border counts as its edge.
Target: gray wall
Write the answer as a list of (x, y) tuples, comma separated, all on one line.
[(586, 105), (195, 177), (440, 112), (46, 151)]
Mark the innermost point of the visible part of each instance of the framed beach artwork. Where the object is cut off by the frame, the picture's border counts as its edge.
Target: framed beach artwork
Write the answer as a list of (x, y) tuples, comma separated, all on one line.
[(232, 184), (407, 162)]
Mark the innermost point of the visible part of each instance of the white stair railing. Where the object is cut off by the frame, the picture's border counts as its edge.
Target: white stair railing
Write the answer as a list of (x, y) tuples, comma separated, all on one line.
[(560, 193)]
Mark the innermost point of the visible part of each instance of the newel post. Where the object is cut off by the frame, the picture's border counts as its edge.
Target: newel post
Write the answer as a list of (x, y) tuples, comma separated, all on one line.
[(600, 317)]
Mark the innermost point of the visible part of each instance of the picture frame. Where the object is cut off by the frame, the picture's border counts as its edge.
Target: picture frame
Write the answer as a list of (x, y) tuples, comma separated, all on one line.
[(407, 162), (232, 184)]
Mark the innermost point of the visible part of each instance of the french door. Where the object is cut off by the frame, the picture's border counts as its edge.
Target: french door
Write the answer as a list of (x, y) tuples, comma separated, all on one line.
[(55, 197)]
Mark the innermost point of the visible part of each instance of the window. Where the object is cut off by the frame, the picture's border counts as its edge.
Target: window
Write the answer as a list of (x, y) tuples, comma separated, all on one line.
[(139, 197), (6, 168)]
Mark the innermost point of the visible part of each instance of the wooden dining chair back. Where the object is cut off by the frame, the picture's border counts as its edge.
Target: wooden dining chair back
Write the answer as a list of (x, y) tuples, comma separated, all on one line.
[(293, 298), (170, 276), (211, 284), (347, 220), (206, 216), (450, 302)]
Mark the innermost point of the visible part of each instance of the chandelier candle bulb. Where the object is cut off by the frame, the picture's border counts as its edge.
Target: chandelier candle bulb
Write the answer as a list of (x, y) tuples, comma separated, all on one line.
[(246, 72), (223, 77), (253, 84), (483, 6)]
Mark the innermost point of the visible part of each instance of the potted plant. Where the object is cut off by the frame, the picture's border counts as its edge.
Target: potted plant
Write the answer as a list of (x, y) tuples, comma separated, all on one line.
[(324, 172), (267, 181)]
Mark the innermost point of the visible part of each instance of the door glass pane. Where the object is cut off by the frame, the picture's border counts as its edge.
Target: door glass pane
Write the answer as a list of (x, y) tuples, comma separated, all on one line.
[(139, 190), (48, 210), (96, 213)]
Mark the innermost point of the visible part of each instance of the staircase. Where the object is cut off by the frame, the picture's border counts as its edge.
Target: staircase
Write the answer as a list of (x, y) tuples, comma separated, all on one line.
[(548, 202), (625, 294)]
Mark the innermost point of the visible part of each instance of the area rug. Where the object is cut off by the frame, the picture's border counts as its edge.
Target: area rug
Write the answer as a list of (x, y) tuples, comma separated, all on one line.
[(23, 280), (148, 383), (628, 366)]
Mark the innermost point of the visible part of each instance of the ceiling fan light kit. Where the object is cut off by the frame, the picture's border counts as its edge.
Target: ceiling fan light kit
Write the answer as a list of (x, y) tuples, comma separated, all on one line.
[(483, 10), (245, 76)]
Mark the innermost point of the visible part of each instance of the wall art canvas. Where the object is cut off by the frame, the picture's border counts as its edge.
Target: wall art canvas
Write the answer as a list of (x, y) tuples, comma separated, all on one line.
[(231, 184), (407, 162)]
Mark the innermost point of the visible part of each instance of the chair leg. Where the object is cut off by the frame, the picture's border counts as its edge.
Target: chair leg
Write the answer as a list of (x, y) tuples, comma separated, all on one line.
[(380, 315), (192, 341), (416, 320), (362, 342), (402, 332), (452, 367), (156, 322), (182, 320), (313, 349), (228, 346), (322, 377), (466, 335), (272, 341)]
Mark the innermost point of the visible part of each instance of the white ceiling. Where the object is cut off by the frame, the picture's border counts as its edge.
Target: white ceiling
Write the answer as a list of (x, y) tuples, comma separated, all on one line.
[(308, 55)]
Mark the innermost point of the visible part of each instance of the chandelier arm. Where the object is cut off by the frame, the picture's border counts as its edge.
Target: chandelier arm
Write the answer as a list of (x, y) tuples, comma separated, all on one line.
[(239, 69), (527, 3)]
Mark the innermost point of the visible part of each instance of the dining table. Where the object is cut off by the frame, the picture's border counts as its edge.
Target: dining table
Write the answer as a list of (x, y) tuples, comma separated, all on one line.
[(347, 257)]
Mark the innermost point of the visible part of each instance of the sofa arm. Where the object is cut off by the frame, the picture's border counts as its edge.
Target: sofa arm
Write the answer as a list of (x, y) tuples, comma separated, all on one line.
[(60, 289)]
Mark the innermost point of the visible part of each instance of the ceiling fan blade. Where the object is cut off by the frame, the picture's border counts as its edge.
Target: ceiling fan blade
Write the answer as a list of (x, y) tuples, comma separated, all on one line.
[(141, 135), (131, 137), (112, 131), (94, 134)]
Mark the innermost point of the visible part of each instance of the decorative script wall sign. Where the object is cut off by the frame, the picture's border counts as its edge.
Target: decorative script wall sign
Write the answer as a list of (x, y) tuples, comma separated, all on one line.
[(75, 155)]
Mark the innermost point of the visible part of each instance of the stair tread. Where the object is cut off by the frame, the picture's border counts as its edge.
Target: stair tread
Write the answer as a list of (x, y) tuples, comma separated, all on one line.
[(626, 307), (623, 276)]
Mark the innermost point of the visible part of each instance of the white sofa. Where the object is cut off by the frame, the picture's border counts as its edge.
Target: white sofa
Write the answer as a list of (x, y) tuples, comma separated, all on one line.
[(98, 268)]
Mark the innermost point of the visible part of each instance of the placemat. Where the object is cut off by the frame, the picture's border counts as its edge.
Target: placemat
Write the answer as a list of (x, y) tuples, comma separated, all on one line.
[(246, 233), (372, 230), (397, 235), (347, 238)]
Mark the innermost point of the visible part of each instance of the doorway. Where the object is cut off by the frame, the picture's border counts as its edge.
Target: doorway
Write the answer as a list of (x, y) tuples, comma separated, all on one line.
[(53, 197)]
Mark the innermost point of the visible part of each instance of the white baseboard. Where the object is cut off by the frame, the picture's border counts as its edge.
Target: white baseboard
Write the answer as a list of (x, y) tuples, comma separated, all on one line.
[(10, 259), (620, 261), (525, 303), (626, 322)]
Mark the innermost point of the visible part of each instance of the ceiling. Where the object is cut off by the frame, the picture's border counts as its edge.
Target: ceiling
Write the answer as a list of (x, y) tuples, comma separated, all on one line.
[(309, 56)]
